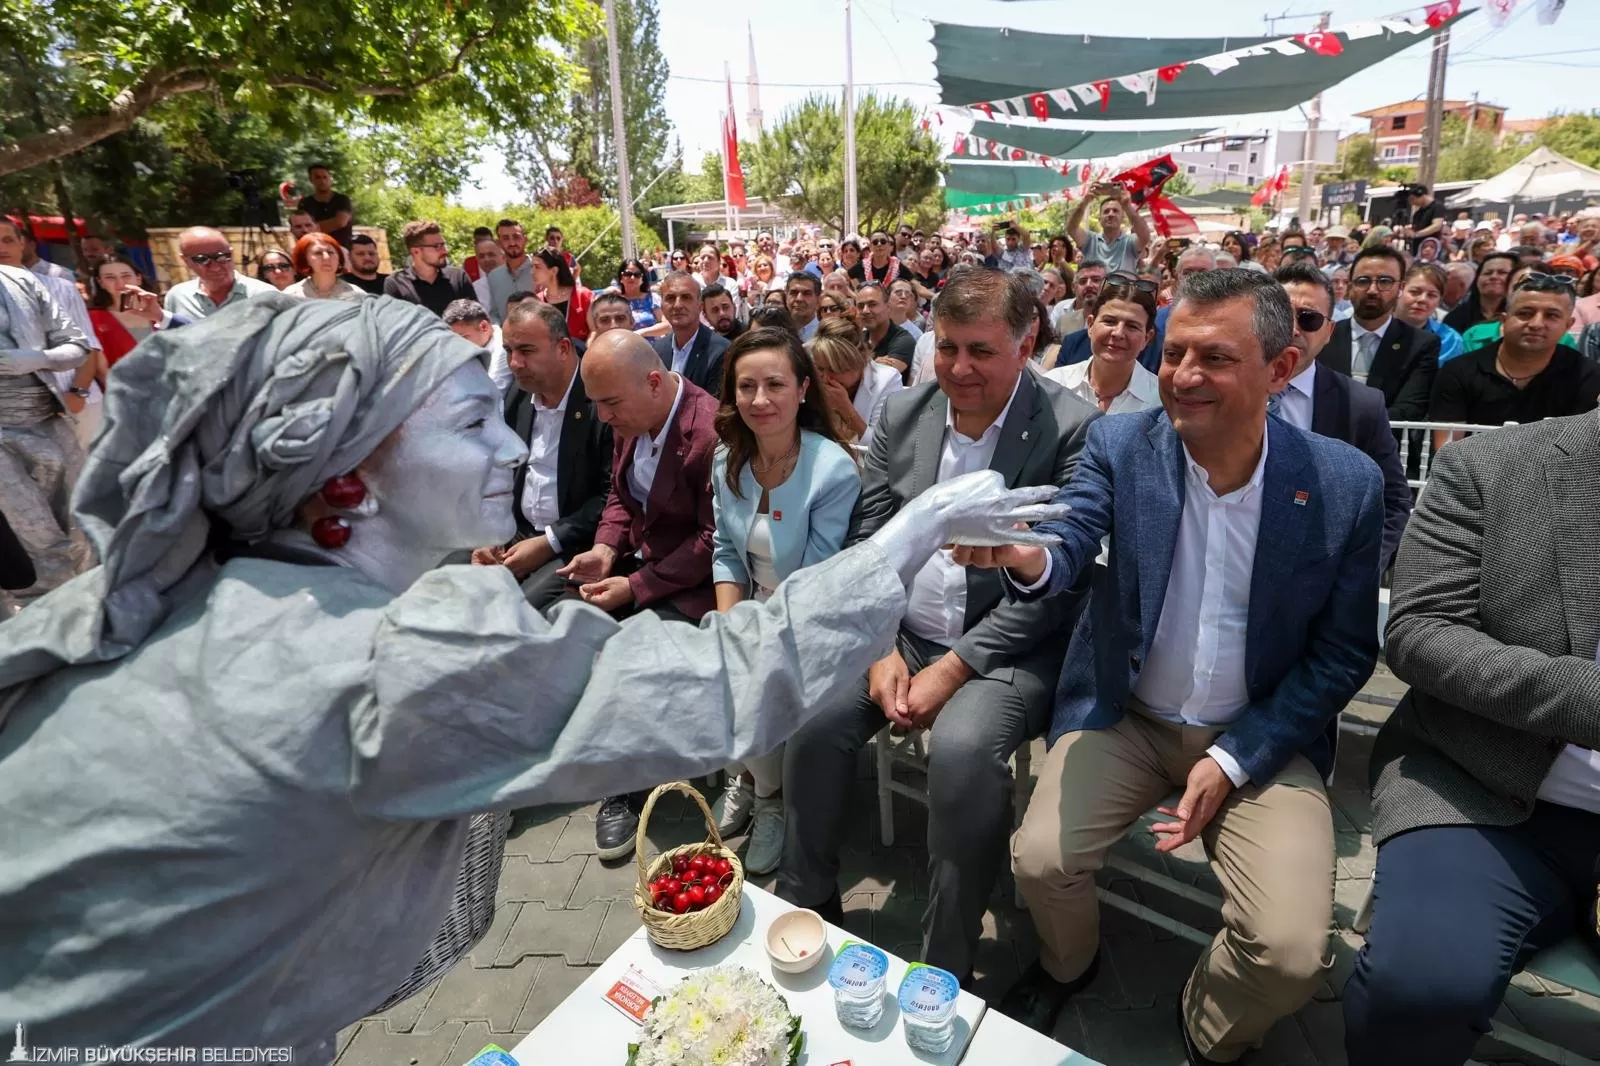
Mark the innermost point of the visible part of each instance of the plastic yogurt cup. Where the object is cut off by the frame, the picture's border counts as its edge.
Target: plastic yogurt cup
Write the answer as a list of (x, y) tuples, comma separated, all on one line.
[(928, 1006), (857, 978)]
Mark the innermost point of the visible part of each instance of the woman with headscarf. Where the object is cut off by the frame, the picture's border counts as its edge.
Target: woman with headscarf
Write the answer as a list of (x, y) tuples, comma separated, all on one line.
[(289, 710), (1487, 296)]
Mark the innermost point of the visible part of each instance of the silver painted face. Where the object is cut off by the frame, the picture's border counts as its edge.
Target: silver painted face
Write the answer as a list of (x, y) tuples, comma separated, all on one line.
[(445, 482)]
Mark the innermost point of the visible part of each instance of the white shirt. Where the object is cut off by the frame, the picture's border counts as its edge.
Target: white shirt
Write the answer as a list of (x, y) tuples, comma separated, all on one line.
[(936, 608), (540, 504), (922, 365), (1143, 391), (1361, 362), (1574, 778), (647, 451), (809, 330), (65, 291), (1295, 402), (46, 269), (1064, 318), (680, 356), (499, 363), (1194, 672), (759, 554), (877, 383)]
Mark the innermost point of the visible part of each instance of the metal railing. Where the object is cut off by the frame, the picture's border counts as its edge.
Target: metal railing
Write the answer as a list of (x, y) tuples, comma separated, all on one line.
[(1429, 437)]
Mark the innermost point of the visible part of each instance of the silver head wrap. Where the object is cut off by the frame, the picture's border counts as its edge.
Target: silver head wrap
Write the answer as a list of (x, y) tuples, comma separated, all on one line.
[(241, 416)]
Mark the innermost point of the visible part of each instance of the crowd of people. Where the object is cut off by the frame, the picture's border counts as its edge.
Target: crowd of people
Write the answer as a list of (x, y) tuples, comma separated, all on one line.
[(701, 426)]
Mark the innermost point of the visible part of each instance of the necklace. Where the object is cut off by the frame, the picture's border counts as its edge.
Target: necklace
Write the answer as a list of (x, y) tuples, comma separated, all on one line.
[(1513, 378), (778, 465)]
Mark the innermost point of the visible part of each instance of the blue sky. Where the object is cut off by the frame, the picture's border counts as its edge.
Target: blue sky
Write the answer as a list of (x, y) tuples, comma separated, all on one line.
[(1530, 69)]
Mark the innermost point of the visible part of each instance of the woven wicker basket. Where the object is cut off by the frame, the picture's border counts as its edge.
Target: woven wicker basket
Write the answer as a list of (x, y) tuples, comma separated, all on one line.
[(686, 932), (471, 906)]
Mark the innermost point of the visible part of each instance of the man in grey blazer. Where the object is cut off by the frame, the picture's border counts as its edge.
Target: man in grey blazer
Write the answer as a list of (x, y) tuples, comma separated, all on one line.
[(976, 671), (1486, 779)]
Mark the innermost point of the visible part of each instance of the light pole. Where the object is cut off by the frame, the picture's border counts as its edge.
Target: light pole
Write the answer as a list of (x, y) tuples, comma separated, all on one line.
[(851, 209), (619, 138)]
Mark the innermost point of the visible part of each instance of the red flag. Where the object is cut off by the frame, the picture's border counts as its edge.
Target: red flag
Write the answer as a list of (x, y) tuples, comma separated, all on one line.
[(987, 110), (1066, 170), (1084, 172), (1170, 74), (1041, 105), (1104, 89), (1439, 14), (960, 147), (1322, 43), (925, 124), (1144, 183), (732, 173), (1017, 154), (1281, 182)]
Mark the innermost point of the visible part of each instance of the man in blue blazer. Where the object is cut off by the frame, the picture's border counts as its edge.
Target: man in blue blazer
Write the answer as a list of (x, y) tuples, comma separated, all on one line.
[(1235, 617), (693, 348)]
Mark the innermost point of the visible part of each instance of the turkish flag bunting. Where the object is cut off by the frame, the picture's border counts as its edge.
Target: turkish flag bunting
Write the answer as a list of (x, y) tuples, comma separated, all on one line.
[(1017, 154), (1041, 105), (987, 110), (960, 146), (1084, 172), (1066, 170), (1144, 183), (924, 123), (1439, 14), (1104, 89), (1170, 74), (1322, 43)]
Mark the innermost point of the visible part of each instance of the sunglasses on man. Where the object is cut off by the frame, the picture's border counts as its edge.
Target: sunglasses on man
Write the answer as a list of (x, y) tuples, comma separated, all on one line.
[(1308, 320), (1132, 281), (1538, 281), (207, 258)]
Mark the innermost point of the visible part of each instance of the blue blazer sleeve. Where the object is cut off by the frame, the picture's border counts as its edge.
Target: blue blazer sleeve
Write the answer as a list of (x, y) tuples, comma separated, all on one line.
[(833, 499), (727, 555), (1092, 498)]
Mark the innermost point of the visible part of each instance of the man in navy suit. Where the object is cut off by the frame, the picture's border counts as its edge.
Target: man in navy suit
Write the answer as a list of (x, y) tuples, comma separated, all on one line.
[(693, 349), (1334, 404), (1376, 348), (1235, 617)]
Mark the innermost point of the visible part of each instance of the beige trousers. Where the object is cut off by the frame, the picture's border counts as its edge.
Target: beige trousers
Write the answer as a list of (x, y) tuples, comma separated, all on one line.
[(1272, 849)]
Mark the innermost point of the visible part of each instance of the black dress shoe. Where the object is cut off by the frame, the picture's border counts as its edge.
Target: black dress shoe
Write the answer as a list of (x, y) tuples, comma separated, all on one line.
[(615, 828), (1192, 1053), (1037, 998)]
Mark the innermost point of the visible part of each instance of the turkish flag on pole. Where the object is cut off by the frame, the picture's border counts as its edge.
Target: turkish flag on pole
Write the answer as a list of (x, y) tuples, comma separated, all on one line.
[(1439, 14), (732, 174)]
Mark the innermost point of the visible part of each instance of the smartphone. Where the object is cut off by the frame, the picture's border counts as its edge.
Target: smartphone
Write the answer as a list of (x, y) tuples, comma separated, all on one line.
[(125, 301)]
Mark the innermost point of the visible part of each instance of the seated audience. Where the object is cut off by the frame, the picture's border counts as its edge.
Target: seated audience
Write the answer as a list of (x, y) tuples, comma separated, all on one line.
[(783, 487), (1486, 778), (216, 284), (1487, 298), (364, 263), (801, 295), (693, 349), (973, 669), (891, 345), (1319, 401), (1046, 345), (1068, 315), (1119, 324), (560, 492), (554, 283), (318, 259), (1420, 292), (852, 385), (774, 317), (633, 282), (609, 311), (429, 279), (1375, 347), (276, 268), (652, 550), (469, 319), (716, 309), (1529, 373), (1228, 684), (903, 307)]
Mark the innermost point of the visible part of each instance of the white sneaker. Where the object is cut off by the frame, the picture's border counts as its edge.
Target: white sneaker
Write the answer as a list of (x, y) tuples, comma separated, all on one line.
[(732, 809), (766, 837)]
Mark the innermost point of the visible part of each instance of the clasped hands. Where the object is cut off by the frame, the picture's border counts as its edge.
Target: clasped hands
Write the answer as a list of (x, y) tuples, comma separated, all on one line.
[(914, 702), (591, 571)]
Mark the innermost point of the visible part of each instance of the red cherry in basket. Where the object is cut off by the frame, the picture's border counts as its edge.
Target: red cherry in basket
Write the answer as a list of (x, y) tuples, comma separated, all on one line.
[(723, 867), (726, 879), (708, 879), (672, 886), (697, 863), (680, 863), (713, 893), (681, 902), (697, 896), (344, 492)]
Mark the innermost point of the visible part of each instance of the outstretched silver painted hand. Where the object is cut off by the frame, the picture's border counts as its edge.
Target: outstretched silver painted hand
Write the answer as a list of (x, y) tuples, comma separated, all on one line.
[(975, 509)]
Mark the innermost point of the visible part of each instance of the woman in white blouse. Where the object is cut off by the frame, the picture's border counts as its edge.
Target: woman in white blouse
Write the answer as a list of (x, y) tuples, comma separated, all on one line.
[(1119, 327), (319, 257), (854, 386), (783, 487)]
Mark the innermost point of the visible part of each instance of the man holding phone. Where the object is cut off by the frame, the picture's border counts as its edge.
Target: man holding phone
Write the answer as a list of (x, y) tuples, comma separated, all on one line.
[(1117, 248)]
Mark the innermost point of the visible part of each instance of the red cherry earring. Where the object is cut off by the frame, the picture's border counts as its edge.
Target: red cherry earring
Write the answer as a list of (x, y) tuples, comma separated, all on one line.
[(345, 493)]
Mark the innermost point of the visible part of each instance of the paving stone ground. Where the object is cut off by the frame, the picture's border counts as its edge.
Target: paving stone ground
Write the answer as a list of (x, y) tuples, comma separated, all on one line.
[(561, 912)]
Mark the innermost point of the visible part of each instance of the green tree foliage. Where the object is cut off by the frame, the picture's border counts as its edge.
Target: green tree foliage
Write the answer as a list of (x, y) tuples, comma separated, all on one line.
[(706, 185), (1180, 184), (1576, 136), (1466, 154), (108, 63), (1358, 159), (432, 154), (799, 161)]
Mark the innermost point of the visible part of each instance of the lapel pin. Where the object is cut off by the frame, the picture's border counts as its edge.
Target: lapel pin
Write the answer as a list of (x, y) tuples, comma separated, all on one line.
[(1024, 434), (777, 516), (1300, 497)]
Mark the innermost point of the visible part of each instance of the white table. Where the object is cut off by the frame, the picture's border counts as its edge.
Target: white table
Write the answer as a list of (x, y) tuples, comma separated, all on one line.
[(1000, 1041), (586, 1029)]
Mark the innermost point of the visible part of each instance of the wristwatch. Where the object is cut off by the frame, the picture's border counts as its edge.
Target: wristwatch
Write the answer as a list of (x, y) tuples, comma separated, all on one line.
[(84, 393)]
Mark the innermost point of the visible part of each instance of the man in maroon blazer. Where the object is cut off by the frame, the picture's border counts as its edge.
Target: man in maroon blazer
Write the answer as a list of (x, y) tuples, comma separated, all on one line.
[(652, 551)]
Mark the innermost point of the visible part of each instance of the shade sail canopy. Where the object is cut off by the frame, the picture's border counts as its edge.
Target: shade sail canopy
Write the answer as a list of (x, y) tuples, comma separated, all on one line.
[(1001, 181), (1081, 144), (968, 58), (957, 200), (1540, 175)]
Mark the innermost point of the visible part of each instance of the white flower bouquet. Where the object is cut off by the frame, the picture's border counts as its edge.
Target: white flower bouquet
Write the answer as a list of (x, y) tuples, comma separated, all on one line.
[(726, 1016)]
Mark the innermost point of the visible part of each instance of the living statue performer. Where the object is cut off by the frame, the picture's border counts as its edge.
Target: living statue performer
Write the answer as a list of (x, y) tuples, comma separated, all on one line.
[(238, 758)]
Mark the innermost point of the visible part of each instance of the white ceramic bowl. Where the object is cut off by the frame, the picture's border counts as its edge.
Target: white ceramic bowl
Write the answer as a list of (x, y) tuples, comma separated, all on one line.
[(796, 940)]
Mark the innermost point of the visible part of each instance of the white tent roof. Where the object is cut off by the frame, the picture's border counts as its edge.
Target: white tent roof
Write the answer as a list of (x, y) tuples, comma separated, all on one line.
[(1541, 175)]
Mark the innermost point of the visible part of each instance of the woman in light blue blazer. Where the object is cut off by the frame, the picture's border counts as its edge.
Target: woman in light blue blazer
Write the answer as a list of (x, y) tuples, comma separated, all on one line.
[(783, 489)]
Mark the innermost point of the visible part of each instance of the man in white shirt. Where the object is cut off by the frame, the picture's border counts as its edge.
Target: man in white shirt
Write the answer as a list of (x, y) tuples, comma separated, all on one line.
[(1068, 315), (32, 260), (1486, 778), (973, 669), (468, 319), (1234, 618), (216, 284), (560, 492)]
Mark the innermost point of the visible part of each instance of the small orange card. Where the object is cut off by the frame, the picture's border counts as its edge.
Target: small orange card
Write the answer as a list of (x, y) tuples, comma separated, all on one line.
[(632, 994)]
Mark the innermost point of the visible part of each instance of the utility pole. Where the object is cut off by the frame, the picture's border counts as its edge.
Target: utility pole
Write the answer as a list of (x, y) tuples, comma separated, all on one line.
[(619, 137), (851, 208), (1433, 117), (1308, 172)]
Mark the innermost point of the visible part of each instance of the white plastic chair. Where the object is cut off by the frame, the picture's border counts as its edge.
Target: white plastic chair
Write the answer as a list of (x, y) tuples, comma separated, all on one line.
[(1427, 452)]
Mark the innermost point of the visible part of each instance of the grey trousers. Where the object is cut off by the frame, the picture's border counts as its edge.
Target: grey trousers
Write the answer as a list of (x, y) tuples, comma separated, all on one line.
[(39, 465), (969, 792)]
